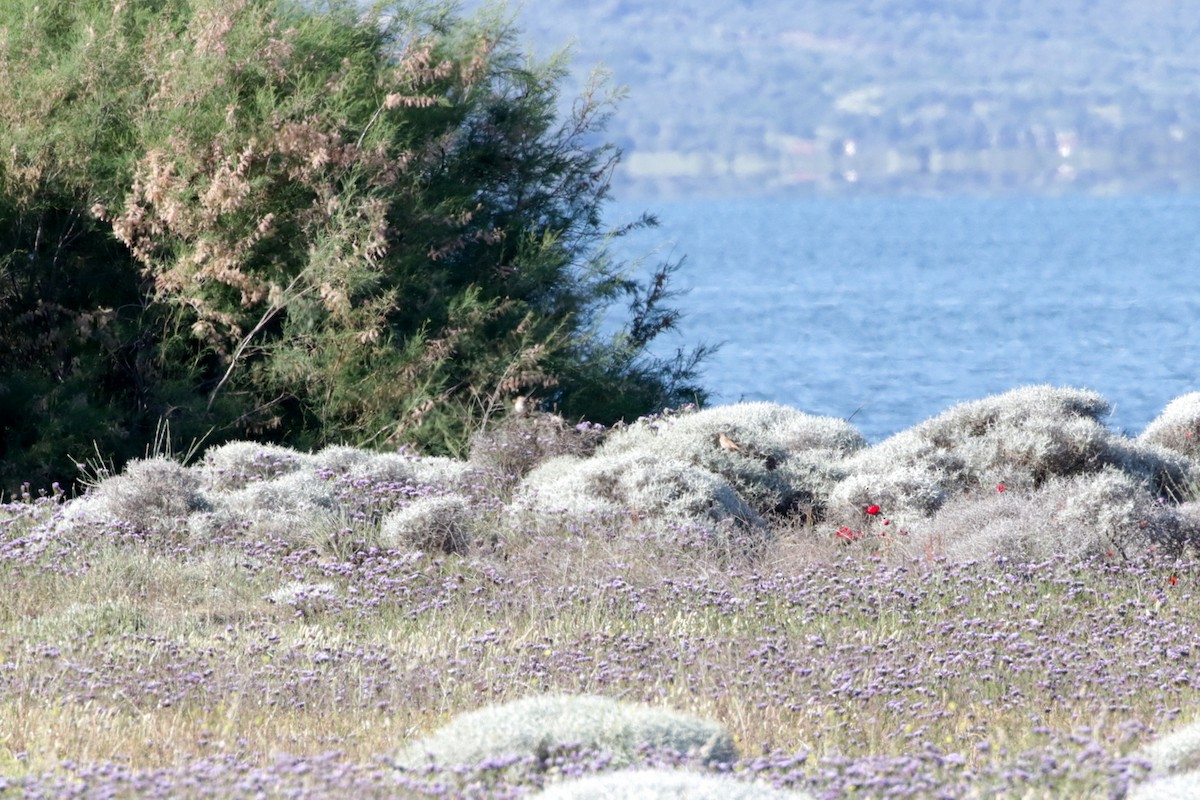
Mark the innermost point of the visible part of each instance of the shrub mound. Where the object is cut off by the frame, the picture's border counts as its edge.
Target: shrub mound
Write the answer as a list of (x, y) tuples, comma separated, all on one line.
[(778, 459), (512, 448), (656, 784), (308, 599), (1022, 440), (303, 491), (640, 485), (536, 726), (1025, 474), (235, 465), (1185, 786), (366, 469), (1101, 514), (1176, 752), (439, 523), (1177, 428), (152, 496)]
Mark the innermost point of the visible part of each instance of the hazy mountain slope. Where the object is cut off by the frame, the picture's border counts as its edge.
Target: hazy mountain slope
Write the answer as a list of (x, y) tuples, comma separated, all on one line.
[(911, 94)]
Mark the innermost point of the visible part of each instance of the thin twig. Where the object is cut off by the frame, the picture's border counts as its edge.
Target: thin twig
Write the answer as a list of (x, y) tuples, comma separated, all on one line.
[(245, 342)]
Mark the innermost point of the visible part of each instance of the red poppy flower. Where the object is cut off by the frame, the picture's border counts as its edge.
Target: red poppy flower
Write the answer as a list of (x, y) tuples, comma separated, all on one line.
[(1001, 488), (872, 510), (1173, 580)]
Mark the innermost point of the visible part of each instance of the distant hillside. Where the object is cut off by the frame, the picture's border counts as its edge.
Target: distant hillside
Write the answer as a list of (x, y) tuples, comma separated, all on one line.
[(911, 95)]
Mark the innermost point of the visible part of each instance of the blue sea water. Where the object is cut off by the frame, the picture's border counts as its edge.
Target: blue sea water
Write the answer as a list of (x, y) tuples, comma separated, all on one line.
[(890, 310)]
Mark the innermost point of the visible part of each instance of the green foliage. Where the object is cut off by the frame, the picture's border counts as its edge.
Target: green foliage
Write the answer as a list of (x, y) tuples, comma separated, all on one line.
[(78, 338), (306, 224)]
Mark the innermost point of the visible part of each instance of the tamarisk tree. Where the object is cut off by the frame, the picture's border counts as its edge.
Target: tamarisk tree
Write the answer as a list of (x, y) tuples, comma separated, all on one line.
[(304, 222)]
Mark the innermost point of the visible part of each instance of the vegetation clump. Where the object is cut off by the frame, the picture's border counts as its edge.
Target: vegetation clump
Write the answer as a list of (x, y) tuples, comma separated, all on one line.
[(1022, 439), (302, 224), (1177, 428), (152, 495), (270, 604), (510, 449), (537, 726), (1176, 752), (635, 485), (779, 459), (1107, 513), (235, 465), (438, 523), (659, 784)]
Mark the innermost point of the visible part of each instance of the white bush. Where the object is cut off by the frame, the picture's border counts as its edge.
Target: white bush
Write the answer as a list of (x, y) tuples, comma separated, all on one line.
[(356, 462), (296, 492), (1174, 766), (1177, 428), (309, 599), (664, 489), (785, 460), (509, 449), (1076, 516), (905, 495), (442, 472), (1023, 439), (535, 726), (655, 784), (235, 465), (338, 459), (153, 495), (1164, 472), (1185, 786), (299, 526), (1189, 512), (1177, 751), (435, 523), (418, 472)]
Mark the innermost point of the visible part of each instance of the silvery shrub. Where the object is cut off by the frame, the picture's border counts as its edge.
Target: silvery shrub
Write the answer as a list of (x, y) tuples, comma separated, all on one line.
[(154, 495), (1108, 513), (1021, 439), (658, 784), (1184, 786), (661, 489), (435, 523), (537, 726), (783, 460), (355, 464), (1175, 752), (1177, 427), (513, 447), (235, 465)]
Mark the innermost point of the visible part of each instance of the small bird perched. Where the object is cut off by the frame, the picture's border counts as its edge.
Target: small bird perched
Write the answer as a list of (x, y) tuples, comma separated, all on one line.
[(727, 443), (521, 405)]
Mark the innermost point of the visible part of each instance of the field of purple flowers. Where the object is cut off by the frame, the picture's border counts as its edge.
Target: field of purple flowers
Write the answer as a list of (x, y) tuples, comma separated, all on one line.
[(999, 602)]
